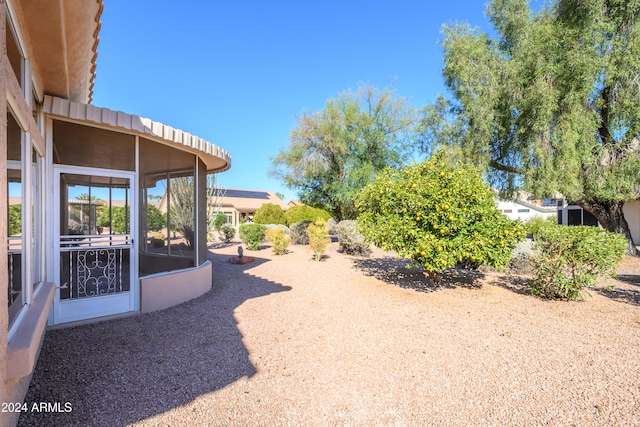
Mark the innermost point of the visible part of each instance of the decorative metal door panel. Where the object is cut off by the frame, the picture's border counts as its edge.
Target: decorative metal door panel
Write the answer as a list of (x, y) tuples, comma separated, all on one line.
[(94, 245)]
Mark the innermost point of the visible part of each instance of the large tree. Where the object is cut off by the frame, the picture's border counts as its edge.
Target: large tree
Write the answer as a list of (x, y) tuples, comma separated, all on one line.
[(550, 104), (334, 153)]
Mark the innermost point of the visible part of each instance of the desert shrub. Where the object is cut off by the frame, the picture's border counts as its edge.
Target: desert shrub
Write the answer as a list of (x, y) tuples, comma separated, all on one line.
[(299, 235), (157, 240), (318, 237), (572, 257), (281, 226), (437, 214), (269, 213), (351, 241), (279, 240), (521, 258), (218, 221), (536, 223), (304, 213), (252, 235), (15, 220), (331, 223), (227, 233)]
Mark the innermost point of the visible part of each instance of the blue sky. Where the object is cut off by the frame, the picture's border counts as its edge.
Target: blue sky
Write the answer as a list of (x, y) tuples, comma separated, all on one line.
[(238, 73)]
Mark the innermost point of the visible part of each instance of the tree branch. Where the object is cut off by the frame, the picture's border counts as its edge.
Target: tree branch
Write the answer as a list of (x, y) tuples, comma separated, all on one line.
[(499, 166)]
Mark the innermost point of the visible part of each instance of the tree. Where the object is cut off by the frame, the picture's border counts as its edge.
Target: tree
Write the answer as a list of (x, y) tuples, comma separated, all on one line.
[(156, 220), (269, 213), (437, 214), (304, 213), (219, 220), (334, 153), (118, 222), (550, 104)]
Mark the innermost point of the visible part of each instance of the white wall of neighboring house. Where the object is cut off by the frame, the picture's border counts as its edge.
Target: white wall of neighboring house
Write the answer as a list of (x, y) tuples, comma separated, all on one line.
[(515, 210)]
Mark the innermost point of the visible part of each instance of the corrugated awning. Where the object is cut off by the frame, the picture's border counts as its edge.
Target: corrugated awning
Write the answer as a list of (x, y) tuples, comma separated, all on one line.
[(216, 159)]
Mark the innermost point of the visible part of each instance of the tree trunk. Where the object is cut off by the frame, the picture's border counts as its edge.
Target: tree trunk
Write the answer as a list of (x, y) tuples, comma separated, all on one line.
[(611, 218)]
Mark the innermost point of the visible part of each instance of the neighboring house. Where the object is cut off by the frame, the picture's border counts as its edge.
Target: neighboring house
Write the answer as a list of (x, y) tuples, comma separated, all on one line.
[(574, 215), (295, 203), (240, 205), (57, 148), (523, 206)]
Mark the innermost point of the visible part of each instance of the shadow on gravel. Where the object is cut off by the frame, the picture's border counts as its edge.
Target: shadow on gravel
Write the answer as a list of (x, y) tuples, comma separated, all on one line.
[(632, 279), (394, 271), (122, 371), (630, 296), (514, 283)]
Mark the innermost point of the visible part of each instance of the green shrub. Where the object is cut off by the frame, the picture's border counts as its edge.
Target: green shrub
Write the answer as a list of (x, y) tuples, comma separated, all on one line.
[(219, 220), (536, 223), (304, 213), (351, 241), (318, 238), (227, 233), (299, 235), (269, 213), (252, 235), (119, 219), (279, 240), (571, 258), (438, 215), (15, 219)]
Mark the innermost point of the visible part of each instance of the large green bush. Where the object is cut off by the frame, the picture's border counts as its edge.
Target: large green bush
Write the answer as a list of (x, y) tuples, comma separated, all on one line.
[(252, 235), (304, 213), (536, 223), (219, 220), (438, 215), (269, 213), (15, 219), (351, 241), (119, 221), (571, 258)]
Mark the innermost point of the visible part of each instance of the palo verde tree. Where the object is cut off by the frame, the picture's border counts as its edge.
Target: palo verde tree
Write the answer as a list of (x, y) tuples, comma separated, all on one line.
[(550, 104), (437, 214), (334, 153)]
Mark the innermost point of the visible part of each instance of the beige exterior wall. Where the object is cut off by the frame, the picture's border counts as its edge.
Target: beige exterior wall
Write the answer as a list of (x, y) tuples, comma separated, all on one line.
[(161, 291), (631, 211)]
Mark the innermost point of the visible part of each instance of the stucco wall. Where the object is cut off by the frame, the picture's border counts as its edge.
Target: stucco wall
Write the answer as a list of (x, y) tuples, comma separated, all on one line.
[(165, 290), (632, 214)]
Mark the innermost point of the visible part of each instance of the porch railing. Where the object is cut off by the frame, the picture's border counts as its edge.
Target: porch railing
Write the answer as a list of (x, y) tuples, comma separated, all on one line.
[(94, 265)]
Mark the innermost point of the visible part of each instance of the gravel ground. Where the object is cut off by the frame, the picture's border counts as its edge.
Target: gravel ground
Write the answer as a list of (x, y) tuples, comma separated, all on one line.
[(351, 341)]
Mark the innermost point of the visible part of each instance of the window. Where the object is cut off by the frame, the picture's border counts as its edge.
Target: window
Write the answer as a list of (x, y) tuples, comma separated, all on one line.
[(523, 210), (24, 217), (16, 289), (168, 196), (507, 211)]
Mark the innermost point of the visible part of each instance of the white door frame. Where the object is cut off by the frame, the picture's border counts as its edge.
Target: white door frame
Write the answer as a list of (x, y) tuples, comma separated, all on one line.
[(92, 307)]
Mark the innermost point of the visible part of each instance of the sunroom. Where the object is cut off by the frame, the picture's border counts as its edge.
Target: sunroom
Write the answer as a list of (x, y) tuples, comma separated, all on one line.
[(128, 222)]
